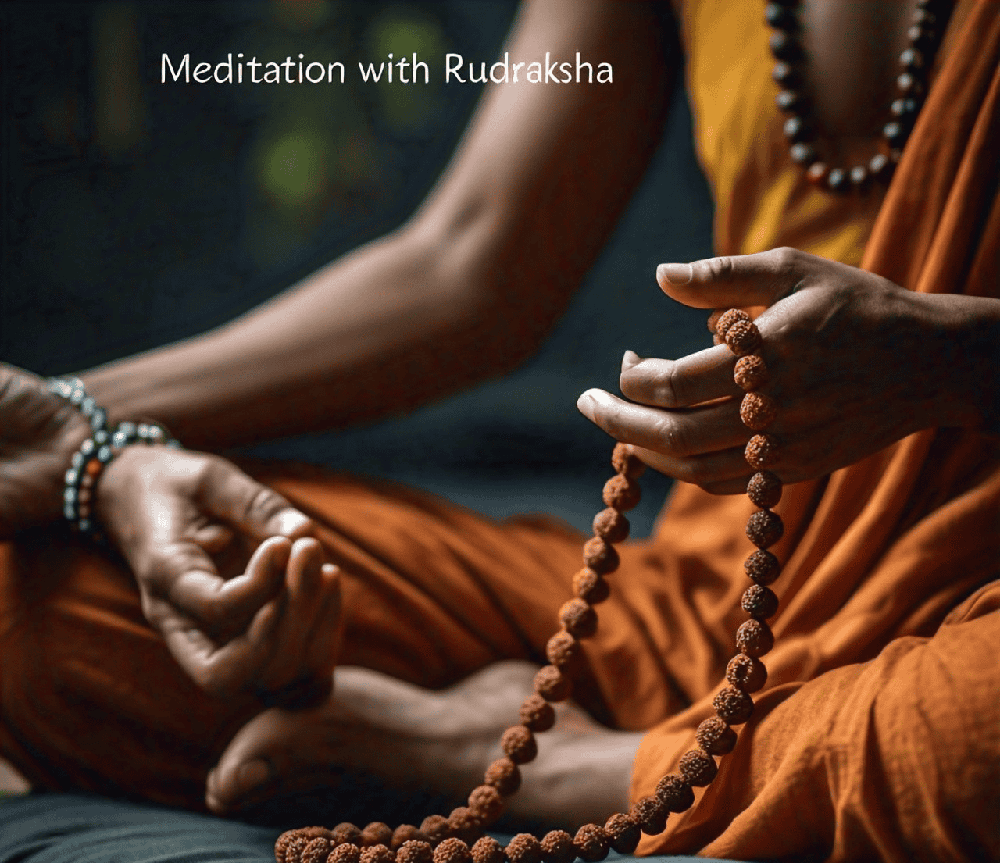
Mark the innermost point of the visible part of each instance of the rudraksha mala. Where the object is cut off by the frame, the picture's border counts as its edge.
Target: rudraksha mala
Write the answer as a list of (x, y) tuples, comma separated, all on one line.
[(930, 18), (459, 837)]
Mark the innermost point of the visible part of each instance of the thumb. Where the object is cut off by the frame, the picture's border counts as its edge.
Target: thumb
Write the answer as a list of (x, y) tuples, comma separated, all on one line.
[(760, 279), (253, 509)]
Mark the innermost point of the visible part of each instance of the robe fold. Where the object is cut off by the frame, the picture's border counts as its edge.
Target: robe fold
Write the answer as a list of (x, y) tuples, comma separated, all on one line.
[(878, 733)]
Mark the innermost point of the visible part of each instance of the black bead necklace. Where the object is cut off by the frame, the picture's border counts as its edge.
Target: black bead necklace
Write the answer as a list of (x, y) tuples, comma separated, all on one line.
[(929, 21)]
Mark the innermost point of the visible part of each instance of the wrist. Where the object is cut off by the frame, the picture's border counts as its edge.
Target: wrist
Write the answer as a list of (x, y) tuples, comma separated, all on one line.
[(968, 384)]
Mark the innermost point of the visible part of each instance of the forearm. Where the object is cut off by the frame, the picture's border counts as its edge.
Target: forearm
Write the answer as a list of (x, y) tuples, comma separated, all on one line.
[(467, 289), (367, 334)]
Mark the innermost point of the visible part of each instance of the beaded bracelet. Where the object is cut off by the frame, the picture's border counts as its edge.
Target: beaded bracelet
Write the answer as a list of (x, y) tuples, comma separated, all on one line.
[(97, 452), (458, 838)]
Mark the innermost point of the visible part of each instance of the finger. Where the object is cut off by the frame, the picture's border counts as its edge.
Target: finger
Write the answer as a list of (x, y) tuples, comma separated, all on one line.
[(312, 682), (227, 669), (676, 433), (329, 629), (260, 512), (691, 380), (304, 582), (188, 580), (735, 280), (723, 472)]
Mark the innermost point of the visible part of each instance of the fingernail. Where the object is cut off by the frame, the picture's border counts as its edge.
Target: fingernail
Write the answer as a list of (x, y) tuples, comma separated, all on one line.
[(587, 405), (288, 522), (676, 274), (630, 360)]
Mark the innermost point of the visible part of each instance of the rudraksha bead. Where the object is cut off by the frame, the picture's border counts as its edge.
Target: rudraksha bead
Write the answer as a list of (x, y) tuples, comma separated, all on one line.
[(346, 832), (625, 463), (414, 851), (650, 814), (733, 706), (764, 528), (759, 602), (746, 673), (486, 849), (406, 833), (697, 767), (557, 847), (294, 848), (376, 854), (552, 684), (713, 320), (504, 775), (611, 525), (715, 737), (452, 851), (464, 824), (743, 338), (761, 451), (524, 848), (591, 843), (519, 744), (486, 802), (537, 714), (674, 793), (376, 833), (764, 489), (435, 828), (727, 319), (281, 845), (757, 411), (590, 586), (750, 372), (317, 850), (600, 555), (622, 832), (563, 651), (763, 567), (621, 492), (346, 852), (754, 638), (579, 619)]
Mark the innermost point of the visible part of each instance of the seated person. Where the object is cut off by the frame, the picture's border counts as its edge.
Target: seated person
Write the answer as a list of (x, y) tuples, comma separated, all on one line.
[(196, 670)]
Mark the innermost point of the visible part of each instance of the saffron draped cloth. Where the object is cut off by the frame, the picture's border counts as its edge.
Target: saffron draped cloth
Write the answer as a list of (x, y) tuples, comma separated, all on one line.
[(878, 733)]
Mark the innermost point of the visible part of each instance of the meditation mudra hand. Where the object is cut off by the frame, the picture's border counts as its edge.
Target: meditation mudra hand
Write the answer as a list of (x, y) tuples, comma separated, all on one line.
[(855, 362), (226, 571), (225, 567)]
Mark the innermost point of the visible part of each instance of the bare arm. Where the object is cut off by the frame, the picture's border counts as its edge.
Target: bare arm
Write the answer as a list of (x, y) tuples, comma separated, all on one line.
[(466, 289)]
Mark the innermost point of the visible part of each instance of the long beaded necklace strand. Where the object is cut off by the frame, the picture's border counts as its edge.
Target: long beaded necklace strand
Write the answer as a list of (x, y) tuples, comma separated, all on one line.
[(930, 19), (459, 837)]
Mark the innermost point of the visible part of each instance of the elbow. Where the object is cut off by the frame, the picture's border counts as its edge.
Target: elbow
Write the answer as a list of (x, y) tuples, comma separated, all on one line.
[(483, 285)]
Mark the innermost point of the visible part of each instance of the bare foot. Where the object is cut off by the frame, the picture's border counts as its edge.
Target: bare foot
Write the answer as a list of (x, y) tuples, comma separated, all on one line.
[(411, 737)]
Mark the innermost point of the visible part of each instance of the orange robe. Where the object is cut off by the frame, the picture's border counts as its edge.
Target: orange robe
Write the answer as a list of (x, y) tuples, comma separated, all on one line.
[(879, 731)]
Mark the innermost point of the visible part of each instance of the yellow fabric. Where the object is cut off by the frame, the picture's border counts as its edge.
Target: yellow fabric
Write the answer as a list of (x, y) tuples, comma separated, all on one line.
[(762, 199)]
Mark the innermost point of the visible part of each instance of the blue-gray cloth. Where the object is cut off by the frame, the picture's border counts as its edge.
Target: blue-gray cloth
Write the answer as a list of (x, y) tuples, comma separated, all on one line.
[(75, 828)]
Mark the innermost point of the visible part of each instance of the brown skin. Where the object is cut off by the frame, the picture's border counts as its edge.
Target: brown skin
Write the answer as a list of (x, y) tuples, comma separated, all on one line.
[(404, 734), (468, 288), (225, 567), (855, 363)]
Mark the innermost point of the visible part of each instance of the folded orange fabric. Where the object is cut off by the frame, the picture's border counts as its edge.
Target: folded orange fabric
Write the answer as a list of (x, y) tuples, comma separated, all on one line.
[(892, 751)]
